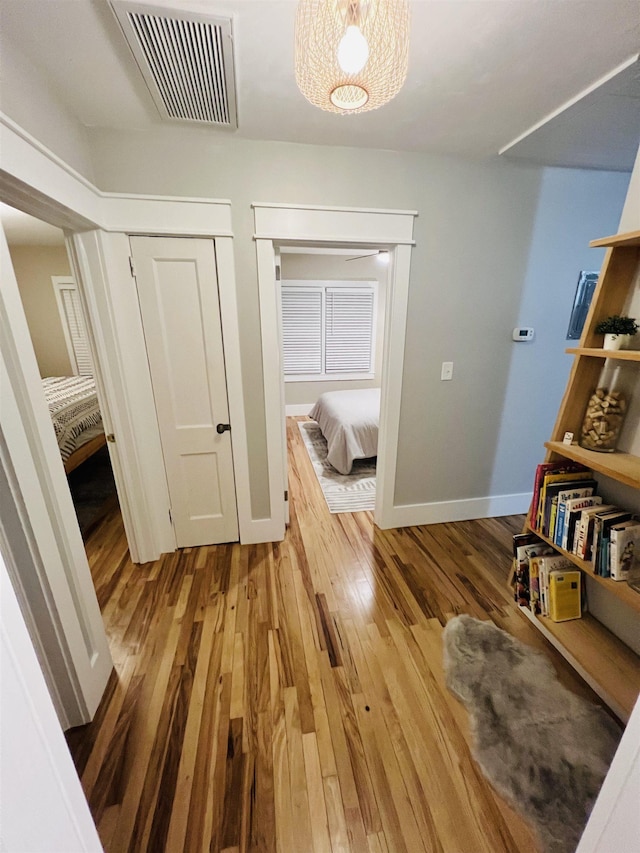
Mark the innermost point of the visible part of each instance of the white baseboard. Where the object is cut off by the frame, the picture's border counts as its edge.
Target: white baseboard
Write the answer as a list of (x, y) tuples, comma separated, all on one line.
[(298, 409), (409, 515)]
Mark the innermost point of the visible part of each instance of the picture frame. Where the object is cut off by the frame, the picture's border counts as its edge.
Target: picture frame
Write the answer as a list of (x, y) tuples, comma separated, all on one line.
[(585, 288)]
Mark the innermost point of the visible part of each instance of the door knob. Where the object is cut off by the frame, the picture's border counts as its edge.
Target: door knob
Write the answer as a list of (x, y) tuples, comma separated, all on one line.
[(223, 428)]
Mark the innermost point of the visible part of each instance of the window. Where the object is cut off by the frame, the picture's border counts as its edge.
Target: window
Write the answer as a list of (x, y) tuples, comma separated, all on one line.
[(73, 325), (328, 330)]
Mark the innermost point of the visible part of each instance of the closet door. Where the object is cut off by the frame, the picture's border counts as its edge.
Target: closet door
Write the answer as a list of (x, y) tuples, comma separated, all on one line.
[(178, 293)]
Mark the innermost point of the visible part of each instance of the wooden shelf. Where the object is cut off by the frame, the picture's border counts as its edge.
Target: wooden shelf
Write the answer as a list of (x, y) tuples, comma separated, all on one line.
[(620, 466), (618, 588), (595, 352), (605, 663), (631, 238)]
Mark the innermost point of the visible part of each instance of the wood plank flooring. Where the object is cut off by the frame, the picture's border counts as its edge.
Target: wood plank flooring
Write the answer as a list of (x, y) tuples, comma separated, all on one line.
[(290, 697)]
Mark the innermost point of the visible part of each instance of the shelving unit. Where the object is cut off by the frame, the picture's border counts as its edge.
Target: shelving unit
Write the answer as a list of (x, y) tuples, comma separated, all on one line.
[(604, 661)]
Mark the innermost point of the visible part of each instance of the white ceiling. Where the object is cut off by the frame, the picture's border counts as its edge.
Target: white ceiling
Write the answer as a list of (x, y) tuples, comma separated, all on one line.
[(482, 73)]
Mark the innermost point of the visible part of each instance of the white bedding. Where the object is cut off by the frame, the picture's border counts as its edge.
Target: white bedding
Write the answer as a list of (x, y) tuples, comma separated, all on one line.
[(73, 406), (349, 422)]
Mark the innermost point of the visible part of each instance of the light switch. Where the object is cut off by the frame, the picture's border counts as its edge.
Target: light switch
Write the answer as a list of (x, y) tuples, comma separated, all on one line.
[(447, 370)]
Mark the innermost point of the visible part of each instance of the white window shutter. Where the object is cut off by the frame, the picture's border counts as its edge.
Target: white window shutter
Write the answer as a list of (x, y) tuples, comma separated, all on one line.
[(302, 330), (349, 330), (73, 325)]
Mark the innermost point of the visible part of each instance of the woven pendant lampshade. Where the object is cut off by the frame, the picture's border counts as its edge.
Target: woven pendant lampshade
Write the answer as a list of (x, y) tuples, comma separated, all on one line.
[(351, 56)]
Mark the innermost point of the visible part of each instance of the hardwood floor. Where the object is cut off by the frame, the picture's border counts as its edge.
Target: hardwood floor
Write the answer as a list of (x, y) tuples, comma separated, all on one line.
[(290, 696)]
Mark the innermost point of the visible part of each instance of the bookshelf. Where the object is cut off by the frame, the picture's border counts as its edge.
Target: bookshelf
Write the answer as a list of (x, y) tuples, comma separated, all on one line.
[(605, 662)]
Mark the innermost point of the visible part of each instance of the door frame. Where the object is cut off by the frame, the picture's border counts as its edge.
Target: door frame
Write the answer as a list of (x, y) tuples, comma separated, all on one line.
[(97, 225), (310, 225)]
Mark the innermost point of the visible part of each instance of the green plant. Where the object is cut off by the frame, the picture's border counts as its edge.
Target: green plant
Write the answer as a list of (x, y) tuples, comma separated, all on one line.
[(616, 325)]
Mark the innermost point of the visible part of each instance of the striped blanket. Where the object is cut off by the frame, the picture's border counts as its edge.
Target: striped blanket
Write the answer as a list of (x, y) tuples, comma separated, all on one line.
[(73, 406)]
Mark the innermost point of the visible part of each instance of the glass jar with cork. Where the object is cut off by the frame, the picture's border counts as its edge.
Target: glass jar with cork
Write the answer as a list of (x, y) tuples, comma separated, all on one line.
[(606, 410)]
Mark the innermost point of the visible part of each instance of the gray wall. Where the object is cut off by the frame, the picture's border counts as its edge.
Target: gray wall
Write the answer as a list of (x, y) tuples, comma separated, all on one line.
[(480, 255), (306, 267)]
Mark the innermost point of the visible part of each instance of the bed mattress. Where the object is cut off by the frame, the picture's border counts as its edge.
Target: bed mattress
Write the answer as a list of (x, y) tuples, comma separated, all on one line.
[(349, 421)]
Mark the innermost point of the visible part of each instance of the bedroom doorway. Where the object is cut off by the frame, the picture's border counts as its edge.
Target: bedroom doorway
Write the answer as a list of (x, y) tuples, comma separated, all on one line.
[(52, 302), (283, 225), (332, 303)]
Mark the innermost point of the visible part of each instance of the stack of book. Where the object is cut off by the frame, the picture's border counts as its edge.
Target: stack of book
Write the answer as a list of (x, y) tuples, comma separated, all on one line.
[(567, 511), (545, 582)]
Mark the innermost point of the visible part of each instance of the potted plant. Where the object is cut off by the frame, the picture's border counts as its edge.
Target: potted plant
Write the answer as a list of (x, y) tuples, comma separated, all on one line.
[(617, 331)]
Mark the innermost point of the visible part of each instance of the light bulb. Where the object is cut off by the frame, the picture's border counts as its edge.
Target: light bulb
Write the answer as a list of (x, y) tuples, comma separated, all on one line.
[(383, 258), (353, 50)]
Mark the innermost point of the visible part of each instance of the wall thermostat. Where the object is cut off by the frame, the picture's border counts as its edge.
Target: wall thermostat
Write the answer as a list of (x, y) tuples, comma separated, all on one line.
[(522, 333)]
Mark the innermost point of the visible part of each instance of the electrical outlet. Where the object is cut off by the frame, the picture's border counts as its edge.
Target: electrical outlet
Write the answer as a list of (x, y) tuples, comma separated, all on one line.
[(447, 370)]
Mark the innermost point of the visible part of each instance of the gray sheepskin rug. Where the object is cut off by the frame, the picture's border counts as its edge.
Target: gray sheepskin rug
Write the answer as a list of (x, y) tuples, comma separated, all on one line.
[(543, 748)]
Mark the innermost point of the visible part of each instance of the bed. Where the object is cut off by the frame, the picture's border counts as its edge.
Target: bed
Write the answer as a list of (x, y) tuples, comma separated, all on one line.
[(76, 418), (349, 422)]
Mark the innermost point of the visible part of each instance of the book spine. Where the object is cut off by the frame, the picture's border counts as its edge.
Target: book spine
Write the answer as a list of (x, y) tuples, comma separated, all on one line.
[(558, 535)]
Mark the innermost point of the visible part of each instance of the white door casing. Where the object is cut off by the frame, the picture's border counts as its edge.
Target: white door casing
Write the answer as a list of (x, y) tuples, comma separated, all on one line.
[(57, 559), (178, 293), (297, 225), (278, 275)]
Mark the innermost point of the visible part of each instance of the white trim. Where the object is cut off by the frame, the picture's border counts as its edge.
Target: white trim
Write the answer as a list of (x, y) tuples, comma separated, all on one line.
[(35, 458), (281, 206), (36, 764), (42, 149), (272, 378), (37, 181), (294, 409), (334, 239), (123, 382), (571, 102), (331, 377), (412, 515), (395, 324), (394, 232)]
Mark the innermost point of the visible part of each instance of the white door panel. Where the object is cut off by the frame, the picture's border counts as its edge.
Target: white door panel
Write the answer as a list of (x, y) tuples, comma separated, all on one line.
[(178, 292)]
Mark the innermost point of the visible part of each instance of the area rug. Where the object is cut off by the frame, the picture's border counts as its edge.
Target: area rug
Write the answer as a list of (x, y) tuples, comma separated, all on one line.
[(543, 748), (354, 492)]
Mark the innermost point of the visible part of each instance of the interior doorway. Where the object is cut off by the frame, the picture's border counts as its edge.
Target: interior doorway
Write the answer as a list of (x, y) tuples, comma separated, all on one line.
[(62, 344), (332, 318), (280, 225)]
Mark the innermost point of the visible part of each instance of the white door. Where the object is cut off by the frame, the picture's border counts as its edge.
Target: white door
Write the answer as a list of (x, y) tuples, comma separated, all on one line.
[(178, 292)]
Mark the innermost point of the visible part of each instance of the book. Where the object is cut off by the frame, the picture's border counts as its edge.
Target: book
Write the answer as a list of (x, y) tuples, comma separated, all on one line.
[(574, 492), (542, 469), (573, 512), (580, 489), (534, 584), (546, 565), (521, 567), (624, 549), (600, 546), (585, 530), (524, 551), (552, 484), (564, 595)]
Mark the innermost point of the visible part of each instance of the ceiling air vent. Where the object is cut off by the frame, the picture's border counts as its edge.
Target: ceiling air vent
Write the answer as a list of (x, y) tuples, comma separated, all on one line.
[(186, 60)]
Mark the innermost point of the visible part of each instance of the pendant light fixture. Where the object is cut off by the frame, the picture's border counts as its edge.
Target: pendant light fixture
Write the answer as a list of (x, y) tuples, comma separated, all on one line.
[(351, 56)]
